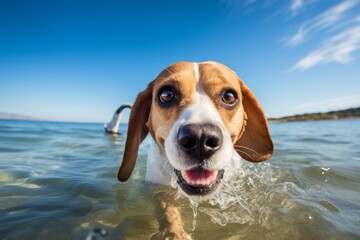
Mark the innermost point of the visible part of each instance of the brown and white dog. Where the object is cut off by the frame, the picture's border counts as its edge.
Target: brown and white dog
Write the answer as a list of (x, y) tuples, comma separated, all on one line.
[(202, 119), (200, 116)]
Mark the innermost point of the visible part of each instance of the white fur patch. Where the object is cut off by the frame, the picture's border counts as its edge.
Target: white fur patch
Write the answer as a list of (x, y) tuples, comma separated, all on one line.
[(203, 111), (197, 72), (158, 168), (160, 164)]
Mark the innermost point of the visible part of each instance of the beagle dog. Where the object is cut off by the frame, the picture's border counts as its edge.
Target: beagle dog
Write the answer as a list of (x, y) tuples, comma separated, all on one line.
[(200, 116)]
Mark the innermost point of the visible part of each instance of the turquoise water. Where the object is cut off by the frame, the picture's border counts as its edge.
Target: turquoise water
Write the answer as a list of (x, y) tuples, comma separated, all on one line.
[(58, 181)]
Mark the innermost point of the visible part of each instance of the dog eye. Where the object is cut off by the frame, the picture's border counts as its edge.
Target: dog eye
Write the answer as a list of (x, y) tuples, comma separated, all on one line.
[(229, 97), (166, 95)]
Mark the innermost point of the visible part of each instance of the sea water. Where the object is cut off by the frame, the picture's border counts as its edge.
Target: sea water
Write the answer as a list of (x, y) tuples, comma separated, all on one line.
[(58, 181)]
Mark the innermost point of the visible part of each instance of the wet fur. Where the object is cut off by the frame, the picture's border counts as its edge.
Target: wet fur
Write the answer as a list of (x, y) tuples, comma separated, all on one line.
[(200, 86)]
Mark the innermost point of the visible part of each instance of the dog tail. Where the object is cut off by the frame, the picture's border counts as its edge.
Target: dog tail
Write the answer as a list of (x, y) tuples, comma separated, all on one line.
[(113, 125)]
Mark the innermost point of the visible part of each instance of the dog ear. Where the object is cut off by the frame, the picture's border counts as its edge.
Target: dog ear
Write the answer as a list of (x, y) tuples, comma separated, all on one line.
[(255, 143), (137, 131)]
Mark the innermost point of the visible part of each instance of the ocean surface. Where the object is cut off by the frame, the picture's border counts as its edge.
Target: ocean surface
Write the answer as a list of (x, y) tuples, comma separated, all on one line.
[(58, 181)]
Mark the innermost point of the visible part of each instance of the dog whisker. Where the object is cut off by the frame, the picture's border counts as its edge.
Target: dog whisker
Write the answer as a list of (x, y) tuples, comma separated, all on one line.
[(247, 154), (252, 150), (164, 68)]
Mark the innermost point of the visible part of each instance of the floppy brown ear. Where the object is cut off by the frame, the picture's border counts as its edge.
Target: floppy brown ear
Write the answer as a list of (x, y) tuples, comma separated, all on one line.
[(255, 143), (137, 132)]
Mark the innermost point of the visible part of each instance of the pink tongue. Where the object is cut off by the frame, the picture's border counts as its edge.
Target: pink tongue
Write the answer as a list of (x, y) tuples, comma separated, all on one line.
[(198, 173)]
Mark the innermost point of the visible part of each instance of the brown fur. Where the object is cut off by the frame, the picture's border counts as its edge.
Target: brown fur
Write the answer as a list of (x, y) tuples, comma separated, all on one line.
[(246, 124), (161, 120), (137, 132), (171, 225)]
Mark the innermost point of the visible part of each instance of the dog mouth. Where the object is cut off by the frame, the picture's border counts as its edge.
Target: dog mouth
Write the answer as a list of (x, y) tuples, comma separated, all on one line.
[(198, 180)]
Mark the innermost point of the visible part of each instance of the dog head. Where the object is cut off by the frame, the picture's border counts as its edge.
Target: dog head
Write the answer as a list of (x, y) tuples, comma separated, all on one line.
[(198, 114)]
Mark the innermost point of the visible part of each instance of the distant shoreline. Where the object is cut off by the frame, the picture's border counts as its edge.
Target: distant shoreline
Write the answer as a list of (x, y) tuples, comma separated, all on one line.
[(51, 121), (351, 113), (13, 116), (271, 120)]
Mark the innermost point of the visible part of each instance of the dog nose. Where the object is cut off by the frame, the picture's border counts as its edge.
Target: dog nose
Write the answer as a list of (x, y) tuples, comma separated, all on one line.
[(200, 141)]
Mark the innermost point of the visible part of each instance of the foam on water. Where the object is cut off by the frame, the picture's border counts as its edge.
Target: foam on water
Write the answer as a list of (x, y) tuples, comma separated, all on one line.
[(307, 190), (246, 191)]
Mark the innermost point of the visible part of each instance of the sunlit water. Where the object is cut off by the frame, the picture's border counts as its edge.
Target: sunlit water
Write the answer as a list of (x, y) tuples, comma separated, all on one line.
[(58, 181)]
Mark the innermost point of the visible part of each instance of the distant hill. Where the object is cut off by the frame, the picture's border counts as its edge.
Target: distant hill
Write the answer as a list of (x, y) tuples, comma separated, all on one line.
[(332, 115), (12, 116), (340, 114)]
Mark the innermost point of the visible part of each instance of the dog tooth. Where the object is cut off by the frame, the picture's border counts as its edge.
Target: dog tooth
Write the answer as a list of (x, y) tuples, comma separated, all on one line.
[(214, 174)]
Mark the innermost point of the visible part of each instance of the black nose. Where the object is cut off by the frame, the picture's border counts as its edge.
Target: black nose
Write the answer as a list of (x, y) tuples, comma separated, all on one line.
[(200, 140)]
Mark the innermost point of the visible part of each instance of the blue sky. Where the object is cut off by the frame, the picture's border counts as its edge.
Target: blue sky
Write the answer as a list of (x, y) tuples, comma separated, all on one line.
[(79, 60)]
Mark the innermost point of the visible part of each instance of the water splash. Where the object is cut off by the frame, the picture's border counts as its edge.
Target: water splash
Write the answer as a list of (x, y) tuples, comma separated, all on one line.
[(194, 205), (97, 234), (244, 197)]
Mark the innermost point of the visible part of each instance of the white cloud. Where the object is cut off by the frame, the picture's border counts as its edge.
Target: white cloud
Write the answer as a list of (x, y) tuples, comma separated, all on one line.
[(333, 15), (330, 104), (298, 37), (357, 19), (325, 20), (295, 6), (338, 49), (344, 29)]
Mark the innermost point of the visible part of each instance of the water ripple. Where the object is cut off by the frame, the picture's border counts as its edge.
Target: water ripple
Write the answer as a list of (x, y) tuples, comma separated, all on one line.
[(58, 181)]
